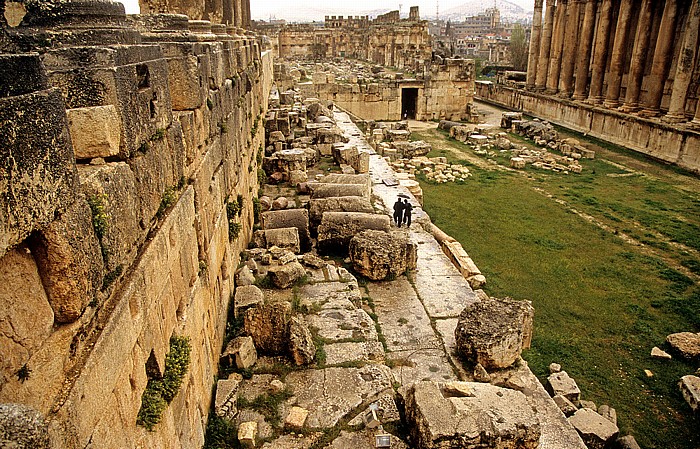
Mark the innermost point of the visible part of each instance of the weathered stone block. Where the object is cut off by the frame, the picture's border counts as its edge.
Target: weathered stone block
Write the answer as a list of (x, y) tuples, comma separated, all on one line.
[(240, 352), (686, 344), (37, 165), (494, 332), (296, 418), (380, 255), (338, 228), (247, 433), (94, 131), (284, 276), (561, 384), (301, 342), (565, 405), (226, 397), (318, 206), (596, 431), (268, 324), (23, 427), (70, 261), (690, 388), (481, 415), (297, 218), (26, 318), (282, 238), (246, 296)]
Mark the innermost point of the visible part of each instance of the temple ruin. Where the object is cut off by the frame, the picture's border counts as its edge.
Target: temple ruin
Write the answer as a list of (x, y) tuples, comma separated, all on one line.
[(615, 71)]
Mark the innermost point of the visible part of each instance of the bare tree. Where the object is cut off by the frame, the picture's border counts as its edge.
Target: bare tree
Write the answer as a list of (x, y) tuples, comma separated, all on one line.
[(518, 48)]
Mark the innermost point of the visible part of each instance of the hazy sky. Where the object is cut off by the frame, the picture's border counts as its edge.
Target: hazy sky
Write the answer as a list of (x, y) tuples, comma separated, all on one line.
[(261, 9)]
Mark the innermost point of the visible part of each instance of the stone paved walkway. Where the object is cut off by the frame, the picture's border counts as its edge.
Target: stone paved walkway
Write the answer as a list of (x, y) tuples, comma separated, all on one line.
[(418, 318)]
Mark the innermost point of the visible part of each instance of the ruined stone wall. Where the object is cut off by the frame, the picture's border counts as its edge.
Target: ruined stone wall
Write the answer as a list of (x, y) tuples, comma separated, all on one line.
[(667, 142), (445, 92), (228, 12), (116, 165)]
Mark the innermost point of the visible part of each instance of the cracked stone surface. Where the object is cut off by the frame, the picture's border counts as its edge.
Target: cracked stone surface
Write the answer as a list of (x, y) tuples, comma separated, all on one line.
[(331, 394), (367, 351), (421, 365)]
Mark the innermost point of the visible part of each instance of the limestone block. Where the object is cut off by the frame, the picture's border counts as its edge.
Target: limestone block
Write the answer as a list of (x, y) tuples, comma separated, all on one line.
[(627, 442), (95, 131), (284, 276), (301, 342), (686, 344), (588, 404), (608, 413), (26, 318), (247, 433), (21, 73), (565, 405), (561, 384), (318, 206), (268, 324), (280, 203), (326, 190), (296, 418), (380, 255), (338, 228), (596, 431), (241, 352), (23, 427), (297, 218), (37, 165), (226, 397), (246, 296), (482, 416), (287, 238), (70, 261), (494, 332), (690, 388)]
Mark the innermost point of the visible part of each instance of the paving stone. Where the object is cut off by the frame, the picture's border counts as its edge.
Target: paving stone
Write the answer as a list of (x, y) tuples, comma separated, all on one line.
[(333, 294), (293, 441), (362, 439), (402, 318), (330, 394), (366, 351), (420, 365), (343, 324)]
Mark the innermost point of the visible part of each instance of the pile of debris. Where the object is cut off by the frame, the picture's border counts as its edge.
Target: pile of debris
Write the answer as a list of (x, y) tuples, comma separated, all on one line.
[(435, 169)]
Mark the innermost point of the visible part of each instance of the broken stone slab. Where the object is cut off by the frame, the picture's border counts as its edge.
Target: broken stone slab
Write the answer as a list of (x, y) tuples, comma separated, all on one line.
[(23, 427), (317, 207), (284, 276), (268, 325), (366, 439), (246, 296), (480, 374), (240, 352), (690, 388), (561, 384), (343, 324), (565, 405), (301, 342), (248, 433), (627, 442), (338, 228), (313, 261), (294, 441), (419, 365), (297, 218), (322, 190), (296, 418), (494, 332), (338, 178), (244, 276), (588, 404), (379, 255), (596, 431), (660, 354), (481, 415), (287, 238), (226, 399), (330, 295), (265, 430), (686, 344), (331, 394)]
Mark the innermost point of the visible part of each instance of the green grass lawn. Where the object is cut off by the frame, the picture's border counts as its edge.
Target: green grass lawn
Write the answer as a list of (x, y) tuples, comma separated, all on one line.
[(601, 304)]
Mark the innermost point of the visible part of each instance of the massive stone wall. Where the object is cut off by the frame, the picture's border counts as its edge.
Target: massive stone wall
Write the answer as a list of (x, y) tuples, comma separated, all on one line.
[(122, 140)]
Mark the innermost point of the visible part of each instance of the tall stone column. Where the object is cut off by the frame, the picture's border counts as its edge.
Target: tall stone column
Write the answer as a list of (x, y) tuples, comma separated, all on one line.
[(583, 63), (238, 13), (557, 46), (600, 55), (661, 64), (685, 65), (534, 53), (696, 120), (571, 48), (617, 69), (639, 57), (545, 46)]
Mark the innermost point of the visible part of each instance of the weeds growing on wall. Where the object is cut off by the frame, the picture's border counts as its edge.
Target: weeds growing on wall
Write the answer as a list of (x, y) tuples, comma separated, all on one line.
[(160, 392)]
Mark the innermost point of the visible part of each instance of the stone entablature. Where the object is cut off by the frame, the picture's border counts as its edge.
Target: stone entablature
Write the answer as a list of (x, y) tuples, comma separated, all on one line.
[(120, 147)]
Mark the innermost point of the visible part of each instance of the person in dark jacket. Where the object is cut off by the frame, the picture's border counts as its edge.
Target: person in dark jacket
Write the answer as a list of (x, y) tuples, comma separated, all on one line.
[(398, 212), (407, 208)]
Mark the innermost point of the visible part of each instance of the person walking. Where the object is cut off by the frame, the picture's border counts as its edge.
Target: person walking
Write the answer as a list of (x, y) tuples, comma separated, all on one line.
[(407, 208), (398, 212)]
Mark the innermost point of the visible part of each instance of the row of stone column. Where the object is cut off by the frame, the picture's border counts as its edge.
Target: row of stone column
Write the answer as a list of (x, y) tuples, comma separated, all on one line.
[(575, 41)]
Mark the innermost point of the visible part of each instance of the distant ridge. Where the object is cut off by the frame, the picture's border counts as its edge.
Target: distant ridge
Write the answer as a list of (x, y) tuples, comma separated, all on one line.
[(510, 12)]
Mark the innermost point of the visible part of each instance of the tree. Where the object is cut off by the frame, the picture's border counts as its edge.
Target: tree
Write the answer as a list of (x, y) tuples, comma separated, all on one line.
[(518, 48)]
